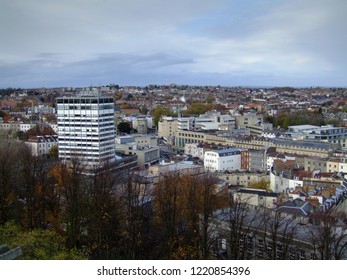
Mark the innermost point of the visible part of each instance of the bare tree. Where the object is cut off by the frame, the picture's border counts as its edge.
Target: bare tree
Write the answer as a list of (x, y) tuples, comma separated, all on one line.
[(328, 234), (135, 197), (103, 219), (211, 200), (243, 219), (166, 195), (279, 231)]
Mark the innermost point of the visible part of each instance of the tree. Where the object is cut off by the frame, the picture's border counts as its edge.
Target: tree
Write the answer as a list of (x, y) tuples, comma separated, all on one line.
[(279, 232), (183, 207), (243, 220), (328, 234), (263, 184), (103, 220), (53, 152), (135, 196), (38, 244), (210, 201), (71, 183), (9, 168), (166, 199), (124, 127), (33, 177), (198, 108), (160, 111)]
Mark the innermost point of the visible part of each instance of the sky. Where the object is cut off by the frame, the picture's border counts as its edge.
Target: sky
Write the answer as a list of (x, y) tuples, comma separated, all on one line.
[(50, 43)]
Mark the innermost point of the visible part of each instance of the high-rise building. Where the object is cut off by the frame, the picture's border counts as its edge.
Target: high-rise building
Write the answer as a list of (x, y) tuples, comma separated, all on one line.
[(86, 129)]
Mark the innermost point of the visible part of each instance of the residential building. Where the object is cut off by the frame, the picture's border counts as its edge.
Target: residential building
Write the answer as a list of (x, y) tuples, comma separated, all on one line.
[(16, 126), (41, 145), (333, 165), (258, 159), (244, 159), (315, 163), (271, 157)]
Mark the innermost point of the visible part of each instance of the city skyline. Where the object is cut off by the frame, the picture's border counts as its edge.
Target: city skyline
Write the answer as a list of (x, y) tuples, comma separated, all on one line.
[(227, 43)]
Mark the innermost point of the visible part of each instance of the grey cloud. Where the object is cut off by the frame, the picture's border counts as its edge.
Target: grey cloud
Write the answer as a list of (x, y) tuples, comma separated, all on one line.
[(47, 70)]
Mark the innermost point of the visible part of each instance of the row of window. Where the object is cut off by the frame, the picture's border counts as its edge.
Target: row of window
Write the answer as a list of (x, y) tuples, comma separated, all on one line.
[(84, 124), (69, 140), (87, 119), (84, 100), (190, 135)]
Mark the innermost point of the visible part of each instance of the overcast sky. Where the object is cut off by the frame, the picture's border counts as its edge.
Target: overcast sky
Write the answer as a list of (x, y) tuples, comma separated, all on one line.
[(50, 43)]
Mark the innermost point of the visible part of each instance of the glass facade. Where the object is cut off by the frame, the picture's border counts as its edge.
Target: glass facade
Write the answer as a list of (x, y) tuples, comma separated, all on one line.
[(86, 129)]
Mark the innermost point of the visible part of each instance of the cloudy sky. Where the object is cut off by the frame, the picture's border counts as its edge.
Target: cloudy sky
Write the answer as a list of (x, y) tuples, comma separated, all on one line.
[(49, 43)]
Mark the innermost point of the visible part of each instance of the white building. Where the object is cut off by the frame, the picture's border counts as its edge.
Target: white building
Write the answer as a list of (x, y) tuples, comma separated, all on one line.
[(194, 150), (221, 160), (280, 182), (86, 128), (41, 145)]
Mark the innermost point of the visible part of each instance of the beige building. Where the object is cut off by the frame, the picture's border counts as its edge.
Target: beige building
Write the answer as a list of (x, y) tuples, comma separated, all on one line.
[(16, 126), (146, 155), (256, 197), (315, 163), (248, 119), (333, 165), (145, 140), (143, 146), (307, 148), (167, 128), (184, 137)]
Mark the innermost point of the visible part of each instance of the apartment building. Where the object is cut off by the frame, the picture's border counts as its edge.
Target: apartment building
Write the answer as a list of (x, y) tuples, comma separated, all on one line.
[(316, 163), (86, 128), (258, 158), (41, 145), (333, 165), (16, 126)]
